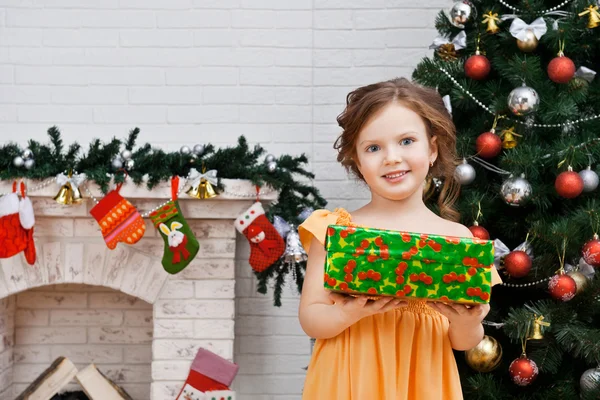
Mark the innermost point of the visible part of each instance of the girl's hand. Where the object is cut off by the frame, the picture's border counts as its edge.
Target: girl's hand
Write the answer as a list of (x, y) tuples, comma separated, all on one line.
[(460, 314), (355, 308)]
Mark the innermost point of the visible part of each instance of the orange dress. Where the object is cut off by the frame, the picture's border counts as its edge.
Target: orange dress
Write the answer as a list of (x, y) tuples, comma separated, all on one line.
[(402, 354)]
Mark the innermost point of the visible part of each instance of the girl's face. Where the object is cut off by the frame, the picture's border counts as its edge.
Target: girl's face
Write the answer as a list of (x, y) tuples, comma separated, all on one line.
[(393, 153)]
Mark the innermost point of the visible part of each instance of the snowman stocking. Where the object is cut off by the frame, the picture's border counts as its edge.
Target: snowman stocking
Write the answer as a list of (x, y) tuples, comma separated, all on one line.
[(266, 245)]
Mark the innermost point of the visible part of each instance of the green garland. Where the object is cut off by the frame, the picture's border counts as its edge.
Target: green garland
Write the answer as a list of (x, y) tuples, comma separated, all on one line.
[(156, 165)]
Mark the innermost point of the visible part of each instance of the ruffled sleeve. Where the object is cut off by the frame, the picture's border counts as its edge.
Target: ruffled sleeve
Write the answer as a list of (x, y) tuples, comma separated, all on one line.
[(495, 276), (316, 226)]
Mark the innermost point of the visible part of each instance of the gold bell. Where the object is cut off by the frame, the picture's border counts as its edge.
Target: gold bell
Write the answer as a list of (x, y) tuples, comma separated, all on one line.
[(68, 195), (537, 328), (594, 16), (204, 190), (509, 141)]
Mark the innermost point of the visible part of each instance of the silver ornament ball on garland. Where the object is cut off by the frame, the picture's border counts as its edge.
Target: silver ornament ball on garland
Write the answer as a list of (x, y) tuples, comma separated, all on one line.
[(523, 100), (126, 155), (129, 164), (516, 191), (18, 161), (117, 162), (461, 13), (27, 154), (464, 173), (590, 380), (269, 158), (590, 179), (185, 150), (29, 164), (198, 149), (272, 166)]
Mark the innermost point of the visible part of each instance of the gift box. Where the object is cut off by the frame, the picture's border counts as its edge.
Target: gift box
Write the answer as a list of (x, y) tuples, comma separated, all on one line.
[(379, 262)]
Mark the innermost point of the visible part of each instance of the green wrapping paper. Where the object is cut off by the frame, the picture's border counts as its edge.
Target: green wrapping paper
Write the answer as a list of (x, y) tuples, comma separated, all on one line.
[(412, 265)]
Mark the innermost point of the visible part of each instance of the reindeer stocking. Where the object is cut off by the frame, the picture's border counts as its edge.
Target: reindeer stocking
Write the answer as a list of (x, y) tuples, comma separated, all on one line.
[(16, 225), (181, 245)]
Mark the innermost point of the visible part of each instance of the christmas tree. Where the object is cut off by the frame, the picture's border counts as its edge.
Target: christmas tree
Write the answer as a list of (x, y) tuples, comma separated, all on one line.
[(517, 79)]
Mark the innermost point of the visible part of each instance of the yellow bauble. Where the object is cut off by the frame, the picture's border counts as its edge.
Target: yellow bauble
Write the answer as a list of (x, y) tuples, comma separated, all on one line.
[(486, 356), (530, 42), (580, 280)]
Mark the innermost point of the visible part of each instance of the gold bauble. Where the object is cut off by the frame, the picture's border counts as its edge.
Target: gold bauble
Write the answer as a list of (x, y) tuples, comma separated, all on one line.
[(529, 44), (486, 356), (580, 280)]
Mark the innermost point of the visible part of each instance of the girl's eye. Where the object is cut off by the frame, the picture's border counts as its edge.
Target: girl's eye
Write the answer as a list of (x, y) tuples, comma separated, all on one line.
[(372, 148), (407, 141)]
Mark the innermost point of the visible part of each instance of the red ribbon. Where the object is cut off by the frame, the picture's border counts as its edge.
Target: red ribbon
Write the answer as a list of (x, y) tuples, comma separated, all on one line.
[(266, 245), (179, 250)]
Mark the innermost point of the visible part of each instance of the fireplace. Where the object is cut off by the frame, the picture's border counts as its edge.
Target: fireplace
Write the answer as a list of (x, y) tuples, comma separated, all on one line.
[(118, 308)]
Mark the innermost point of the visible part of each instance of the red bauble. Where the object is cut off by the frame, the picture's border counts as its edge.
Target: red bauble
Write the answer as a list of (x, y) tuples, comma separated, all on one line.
[(477, 67), (523, 371), (569, 184), (561, 69), (488, 145), (517, 263), (591, 252), (480, 232), (562, 287)]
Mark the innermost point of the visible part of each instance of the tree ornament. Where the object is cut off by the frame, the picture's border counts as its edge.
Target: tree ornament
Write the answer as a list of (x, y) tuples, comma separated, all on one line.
[(129, 164), (562, 287), (272, 166), (590, 179), (590, 380), (27, 154), (594, 16), (488, 144), (202, 184), (29, 164), (117, 162), (509, 140), (447, 48), (185, 150), (523, 100), (528, 35), (517, 263), (591, 251), (492, 21), (18, 161), (561, 69), (477, 66), (461, 13), (69, 192), (198, 149), (569, 184), (126, 155), (581, 281), (269, 158), (523, 371), (486, 356), (516, 191), (464, 173), (536, 333), (479, 231)]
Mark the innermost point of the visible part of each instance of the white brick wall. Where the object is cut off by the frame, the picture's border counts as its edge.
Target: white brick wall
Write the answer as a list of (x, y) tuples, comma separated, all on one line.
[(64, 320), (192, 71)]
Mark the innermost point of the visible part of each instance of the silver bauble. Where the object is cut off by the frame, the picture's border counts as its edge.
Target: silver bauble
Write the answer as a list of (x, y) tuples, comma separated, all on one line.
[(185, 150), (590, 179), (269, 158), (129, 164), (523, 100), (18, 161), (589, 380), (27, 154), (29, 163), (117, 162), (272, 166), (464, 173), (126, 155), (516, 191), (461, 13), (198, 149)]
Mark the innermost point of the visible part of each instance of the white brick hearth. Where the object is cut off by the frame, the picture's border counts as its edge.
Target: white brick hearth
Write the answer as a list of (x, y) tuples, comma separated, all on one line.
[(118, 308)]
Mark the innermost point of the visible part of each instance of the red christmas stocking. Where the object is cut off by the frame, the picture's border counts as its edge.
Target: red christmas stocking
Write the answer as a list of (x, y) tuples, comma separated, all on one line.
[(209, 372), (16, 225), (266, 245), (119, 220)]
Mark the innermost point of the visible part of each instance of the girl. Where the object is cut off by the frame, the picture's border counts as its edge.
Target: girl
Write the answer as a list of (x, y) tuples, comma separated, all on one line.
[(395, 135)]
